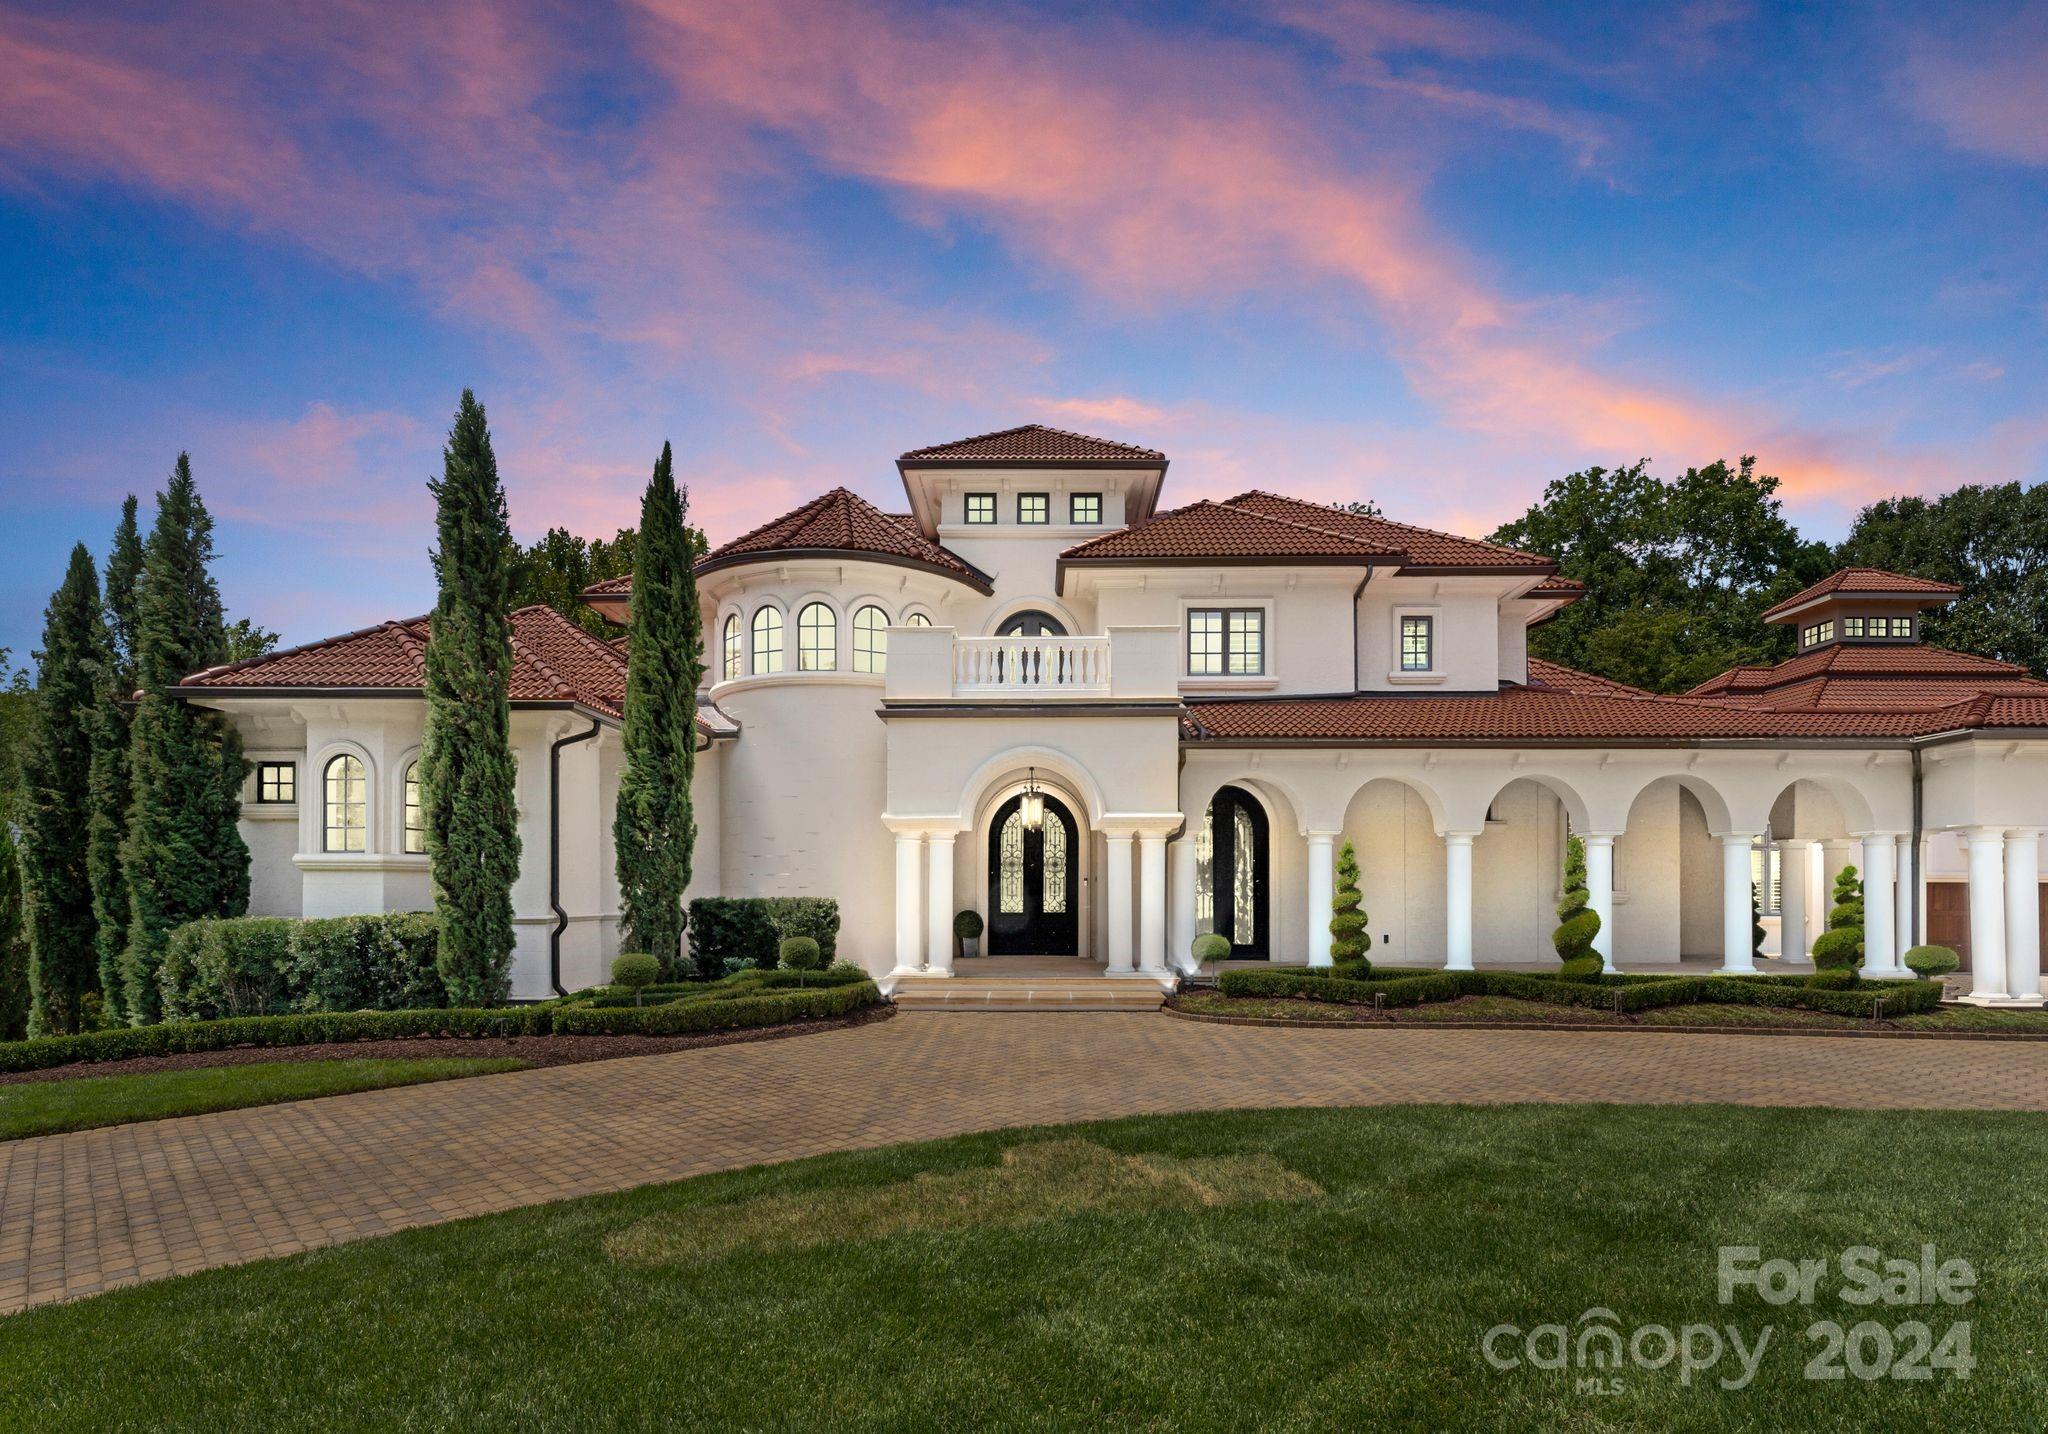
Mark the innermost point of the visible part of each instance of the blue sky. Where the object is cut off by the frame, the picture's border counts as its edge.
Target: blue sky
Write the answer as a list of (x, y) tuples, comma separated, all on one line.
[(1432, 254)]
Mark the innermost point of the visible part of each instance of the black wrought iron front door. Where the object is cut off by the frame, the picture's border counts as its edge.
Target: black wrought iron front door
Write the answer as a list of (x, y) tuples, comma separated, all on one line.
[(1033, 882)]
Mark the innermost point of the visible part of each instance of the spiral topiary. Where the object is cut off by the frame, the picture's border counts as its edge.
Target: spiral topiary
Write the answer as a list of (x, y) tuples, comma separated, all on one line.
[(1349, 940), (1577, 922), (1841, 945)]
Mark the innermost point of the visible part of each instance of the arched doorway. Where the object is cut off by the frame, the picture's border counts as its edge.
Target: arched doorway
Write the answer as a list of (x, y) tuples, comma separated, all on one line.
[(1031, 622), (1033, 882), (1233, 873)]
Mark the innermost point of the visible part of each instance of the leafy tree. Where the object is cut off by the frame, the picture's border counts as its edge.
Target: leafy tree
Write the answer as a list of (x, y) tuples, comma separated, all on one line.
[(183, 857), (1348, 937), (466, 767), (1993, 540), (62, 968), (14, 992), (17, 721), (1577, 922), (244, 640), (653, 827), (111, 736), (561, 565), (1677, 574)]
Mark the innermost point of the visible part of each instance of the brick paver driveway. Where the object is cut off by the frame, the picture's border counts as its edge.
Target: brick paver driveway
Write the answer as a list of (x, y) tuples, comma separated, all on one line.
[(88, 1211)]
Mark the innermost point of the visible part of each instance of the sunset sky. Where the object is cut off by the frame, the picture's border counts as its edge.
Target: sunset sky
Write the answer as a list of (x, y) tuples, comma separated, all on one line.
[(1435, 255)]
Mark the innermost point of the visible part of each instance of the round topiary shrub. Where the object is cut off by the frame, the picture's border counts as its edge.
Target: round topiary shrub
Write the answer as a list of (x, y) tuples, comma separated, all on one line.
[(800, 953), (1211, 947), (635, 970), (1577, 922), (967, 926), (1840, 948), (1931, 962), (1832, 978)]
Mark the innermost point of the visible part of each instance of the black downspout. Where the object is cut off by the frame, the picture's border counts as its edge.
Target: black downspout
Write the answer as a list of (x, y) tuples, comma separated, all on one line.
[(555, 853), (1357, 593), (1913, 856)]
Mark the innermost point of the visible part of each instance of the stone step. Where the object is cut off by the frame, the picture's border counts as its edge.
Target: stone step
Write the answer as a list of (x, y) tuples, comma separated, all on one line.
[(1027, 994)]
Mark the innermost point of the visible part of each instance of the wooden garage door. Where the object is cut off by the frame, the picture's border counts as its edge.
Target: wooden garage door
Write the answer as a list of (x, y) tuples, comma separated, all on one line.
[(1948, 917)]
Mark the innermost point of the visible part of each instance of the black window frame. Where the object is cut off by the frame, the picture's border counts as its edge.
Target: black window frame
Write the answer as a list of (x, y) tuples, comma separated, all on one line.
[(291, 784), (1074, 502), (1428, 622), (1044, 518), (1226, 630), (967, 510)]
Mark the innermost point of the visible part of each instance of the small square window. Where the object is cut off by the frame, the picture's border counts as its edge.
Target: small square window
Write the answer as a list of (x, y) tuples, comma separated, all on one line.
[(1085, 508), (981, 507), (1902, 627), (277, 783), (1418, 644), (1033, 508), (1853, 627)]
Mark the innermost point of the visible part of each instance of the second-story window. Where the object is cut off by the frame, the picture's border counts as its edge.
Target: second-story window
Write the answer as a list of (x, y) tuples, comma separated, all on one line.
[(981, 507), (730, 655), (277, 783), (1033, 508), (917, 619), (415, 834), (347, 804), (817, 638), (1226, 642), (1418, 644), (871, 640), (767, 640), (1085, 508)]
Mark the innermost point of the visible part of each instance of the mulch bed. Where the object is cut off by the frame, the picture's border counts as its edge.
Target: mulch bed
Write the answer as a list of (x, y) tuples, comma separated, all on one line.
[(534, 1050)]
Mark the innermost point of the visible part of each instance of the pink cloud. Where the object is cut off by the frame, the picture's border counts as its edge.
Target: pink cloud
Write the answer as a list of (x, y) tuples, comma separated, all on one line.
[(1988, 94)]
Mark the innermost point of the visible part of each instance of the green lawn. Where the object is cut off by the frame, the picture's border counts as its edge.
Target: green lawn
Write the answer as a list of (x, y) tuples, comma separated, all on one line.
[(45, 1107), (1296, 1269)]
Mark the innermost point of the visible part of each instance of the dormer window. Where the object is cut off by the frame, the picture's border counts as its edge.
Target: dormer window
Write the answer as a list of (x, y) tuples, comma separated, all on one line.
[(1034, 508), (981, 508), (1418, 644), (1085, 508)]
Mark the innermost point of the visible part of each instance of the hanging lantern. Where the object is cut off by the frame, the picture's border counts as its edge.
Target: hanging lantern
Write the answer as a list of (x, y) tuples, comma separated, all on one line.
[(1033, 807)]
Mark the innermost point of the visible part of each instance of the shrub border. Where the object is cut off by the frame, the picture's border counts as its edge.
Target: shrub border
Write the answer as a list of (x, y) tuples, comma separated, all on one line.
[(1869, 1033)]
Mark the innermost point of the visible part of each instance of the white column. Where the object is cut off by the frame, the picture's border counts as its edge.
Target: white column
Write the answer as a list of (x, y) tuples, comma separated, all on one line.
[(1880, 956), (939, 903), (1118, 883), (1737, 956), (1458, 901), (1181, 941), (1987, 914), (1322, 890), (1600, 891), (909, 903), (2023, 916), (1152, 902), (1795, 884), (1905, 882)]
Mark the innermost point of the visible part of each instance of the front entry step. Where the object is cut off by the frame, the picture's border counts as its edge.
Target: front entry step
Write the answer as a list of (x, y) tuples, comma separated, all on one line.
[(1026, 993)]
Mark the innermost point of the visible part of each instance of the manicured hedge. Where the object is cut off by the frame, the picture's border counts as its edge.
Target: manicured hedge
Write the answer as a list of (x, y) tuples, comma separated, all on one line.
[(742, 1012), (1614, 993), (259, 965), (175, 1037), (753, 928)]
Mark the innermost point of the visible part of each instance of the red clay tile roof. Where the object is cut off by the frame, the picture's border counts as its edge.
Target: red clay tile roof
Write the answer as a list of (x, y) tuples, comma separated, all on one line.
[(1033, 443), (1555, 586), (839, 522), (1863, 581), (1874, 678), (1418, 547), (553, 660), (1543, 673), (1219, 532)]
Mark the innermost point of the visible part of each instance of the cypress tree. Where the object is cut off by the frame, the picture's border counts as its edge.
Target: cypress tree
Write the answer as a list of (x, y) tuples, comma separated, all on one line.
[(110, 739), (1348, 938), (466, 767), (14, 996), (183, 857), (62, 963), (653, 828)]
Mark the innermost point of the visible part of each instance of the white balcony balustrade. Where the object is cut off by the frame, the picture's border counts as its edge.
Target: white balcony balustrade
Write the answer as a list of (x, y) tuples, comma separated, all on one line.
[(1031, 666), (932, 664)]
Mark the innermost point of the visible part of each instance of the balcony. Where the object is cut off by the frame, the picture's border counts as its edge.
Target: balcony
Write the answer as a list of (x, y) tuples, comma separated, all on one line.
[(1128, 664)]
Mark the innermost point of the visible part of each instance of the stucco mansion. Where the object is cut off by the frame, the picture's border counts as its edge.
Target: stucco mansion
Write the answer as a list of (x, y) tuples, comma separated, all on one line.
[(1109, 726)]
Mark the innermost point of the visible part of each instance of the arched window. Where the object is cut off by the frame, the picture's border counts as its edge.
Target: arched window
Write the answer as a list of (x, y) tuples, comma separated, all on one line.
[(817, 638), (871, 640), (347, 803), (917, 619), (415, 834), (767, 640), (730, 657)]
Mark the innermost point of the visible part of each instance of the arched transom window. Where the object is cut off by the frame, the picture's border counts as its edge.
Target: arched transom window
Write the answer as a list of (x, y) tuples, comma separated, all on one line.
[(767, 640), (347, 804), (871, 640), (415, 835), (917, 619), (817, 638), (729, 657)]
